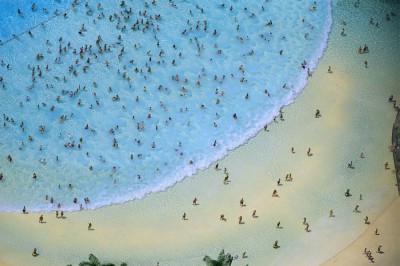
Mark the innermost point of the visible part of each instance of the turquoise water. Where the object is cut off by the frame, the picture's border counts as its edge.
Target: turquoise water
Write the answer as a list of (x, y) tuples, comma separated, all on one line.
[(120, 101), (32, 14)]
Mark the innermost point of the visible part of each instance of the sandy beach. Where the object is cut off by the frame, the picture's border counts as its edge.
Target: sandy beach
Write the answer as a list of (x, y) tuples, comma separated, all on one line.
[(369, 239), (355, 118)]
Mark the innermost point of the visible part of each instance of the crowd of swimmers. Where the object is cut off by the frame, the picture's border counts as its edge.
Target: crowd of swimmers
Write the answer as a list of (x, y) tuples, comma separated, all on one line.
[(89, 52)]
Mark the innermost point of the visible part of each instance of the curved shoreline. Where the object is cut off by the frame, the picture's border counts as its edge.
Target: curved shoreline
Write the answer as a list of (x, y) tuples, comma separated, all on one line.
[(187, 171)]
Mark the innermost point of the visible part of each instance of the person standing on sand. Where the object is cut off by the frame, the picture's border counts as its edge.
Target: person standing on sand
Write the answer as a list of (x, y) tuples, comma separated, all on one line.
[(89, 226), (278, 225), (387, 166), (350, 165), (307, 226), (240, 219), (254, 214), (226, 179), (41, 219), (331, 213)]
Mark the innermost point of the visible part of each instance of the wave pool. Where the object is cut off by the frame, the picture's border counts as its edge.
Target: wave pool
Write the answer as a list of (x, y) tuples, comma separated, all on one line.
[(104, 103)]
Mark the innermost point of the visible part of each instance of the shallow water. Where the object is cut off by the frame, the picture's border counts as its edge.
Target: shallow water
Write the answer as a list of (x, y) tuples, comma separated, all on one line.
[(32, 13), (182, 119)]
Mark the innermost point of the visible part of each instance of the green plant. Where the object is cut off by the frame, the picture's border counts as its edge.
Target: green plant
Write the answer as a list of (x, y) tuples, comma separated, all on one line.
[(223, 260), (94, 261)]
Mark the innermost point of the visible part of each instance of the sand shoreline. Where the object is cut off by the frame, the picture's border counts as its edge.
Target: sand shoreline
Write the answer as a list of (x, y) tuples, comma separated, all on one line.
[(149, 230)]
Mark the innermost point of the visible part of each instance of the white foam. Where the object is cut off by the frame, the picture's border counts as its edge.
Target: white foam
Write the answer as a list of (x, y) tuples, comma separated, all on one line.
[(265, 69)]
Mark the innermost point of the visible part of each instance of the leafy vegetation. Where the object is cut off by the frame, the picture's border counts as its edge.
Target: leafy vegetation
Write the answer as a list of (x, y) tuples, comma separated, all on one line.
[(94, 261), (223, 260)]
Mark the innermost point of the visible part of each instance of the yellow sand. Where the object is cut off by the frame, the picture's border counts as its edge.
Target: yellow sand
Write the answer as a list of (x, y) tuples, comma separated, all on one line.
[(388, 236)]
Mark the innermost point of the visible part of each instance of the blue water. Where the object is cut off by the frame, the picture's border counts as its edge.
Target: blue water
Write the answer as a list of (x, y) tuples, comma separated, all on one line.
[(32, 13), (172, 82)]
